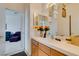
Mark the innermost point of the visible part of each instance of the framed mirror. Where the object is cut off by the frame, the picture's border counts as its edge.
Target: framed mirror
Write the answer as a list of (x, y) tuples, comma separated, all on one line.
[(40, 20)]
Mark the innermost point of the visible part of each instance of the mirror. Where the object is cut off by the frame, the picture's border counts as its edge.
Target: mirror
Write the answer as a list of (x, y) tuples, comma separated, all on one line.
[(40, 23), (40, 20)]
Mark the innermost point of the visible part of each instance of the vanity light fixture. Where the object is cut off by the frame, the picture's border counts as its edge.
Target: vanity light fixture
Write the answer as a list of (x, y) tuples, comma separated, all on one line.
[(50, 4), (50, 8)]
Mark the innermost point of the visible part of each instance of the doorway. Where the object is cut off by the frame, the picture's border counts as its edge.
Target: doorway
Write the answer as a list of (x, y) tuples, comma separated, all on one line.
[(13, 30)]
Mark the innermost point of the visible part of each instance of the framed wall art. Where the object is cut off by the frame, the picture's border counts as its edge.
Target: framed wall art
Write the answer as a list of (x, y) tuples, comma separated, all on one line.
[(63, 10)]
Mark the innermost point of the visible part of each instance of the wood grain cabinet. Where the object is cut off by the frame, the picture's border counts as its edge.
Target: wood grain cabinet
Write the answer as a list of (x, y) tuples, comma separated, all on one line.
[(41, 53), (56, 53), (44, 48), (34, 48), (39, 49)]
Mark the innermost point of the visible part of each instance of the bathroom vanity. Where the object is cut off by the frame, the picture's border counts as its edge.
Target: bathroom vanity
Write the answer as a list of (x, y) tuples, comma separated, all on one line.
[(51, 47), (39, 49)]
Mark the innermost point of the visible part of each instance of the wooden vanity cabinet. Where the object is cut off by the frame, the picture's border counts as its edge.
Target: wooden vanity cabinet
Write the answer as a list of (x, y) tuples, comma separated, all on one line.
[(39, 49), (44, 48), (56, 53), (41, 53), (34, 48)]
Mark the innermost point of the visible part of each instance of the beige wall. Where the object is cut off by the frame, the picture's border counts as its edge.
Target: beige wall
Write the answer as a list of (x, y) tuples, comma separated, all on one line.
[(63, 23), (75, 18)]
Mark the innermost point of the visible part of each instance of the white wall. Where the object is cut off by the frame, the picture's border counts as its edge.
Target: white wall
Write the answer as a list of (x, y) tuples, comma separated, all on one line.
[(19, 7), (27, 29), (2, 33)]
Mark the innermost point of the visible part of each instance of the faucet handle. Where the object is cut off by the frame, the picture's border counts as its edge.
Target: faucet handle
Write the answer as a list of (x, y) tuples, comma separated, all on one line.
[(68, 38)]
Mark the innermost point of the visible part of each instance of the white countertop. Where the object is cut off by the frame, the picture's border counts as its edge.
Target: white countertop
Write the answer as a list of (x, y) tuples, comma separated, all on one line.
[(61, 46)]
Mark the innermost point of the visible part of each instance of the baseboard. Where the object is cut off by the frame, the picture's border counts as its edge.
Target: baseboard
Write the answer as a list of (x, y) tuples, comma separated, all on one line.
[(27, 53), (12, 53)]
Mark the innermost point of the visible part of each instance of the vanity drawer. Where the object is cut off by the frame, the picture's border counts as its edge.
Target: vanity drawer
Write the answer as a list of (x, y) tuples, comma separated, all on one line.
[(56, 53), (34, 50), (44, 48), (35, 42), (41, 53)]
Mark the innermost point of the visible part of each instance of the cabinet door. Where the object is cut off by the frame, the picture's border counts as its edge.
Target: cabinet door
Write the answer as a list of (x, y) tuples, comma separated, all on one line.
[(56, 53), (35, 42), (41, 53), (44, 48), (34, 50)]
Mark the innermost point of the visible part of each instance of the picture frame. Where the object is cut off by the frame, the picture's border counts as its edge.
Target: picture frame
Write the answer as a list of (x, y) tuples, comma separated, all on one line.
[(64, 11)]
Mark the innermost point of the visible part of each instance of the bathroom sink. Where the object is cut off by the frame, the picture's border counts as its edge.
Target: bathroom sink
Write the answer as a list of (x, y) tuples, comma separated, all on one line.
[(75, 40), (63, 39), (60, 38)]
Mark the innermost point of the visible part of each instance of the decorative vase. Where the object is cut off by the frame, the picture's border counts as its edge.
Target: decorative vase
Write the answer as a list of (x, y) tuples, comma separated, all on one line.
[(45, 34), (41, 34)]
